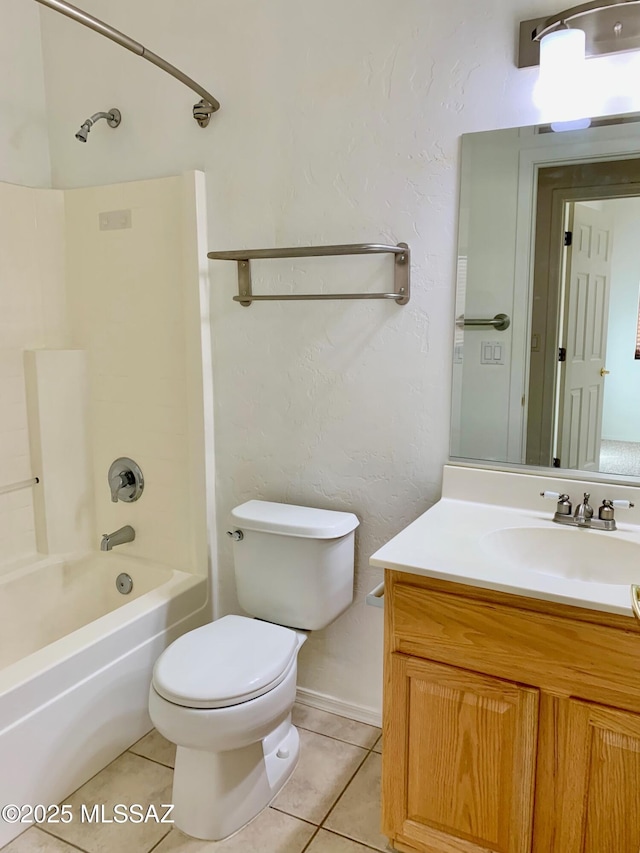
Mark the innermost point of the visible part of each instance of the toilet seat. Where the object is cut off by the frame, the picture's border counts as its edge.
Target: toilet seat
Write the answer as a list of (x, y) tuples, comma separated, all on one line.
[(227, 662)]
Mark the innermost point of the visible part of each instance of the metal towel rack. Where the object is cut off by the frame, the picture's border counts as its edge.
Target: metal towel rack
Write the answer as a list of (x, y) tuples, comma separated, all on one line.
[(500, 322), (401, 279)]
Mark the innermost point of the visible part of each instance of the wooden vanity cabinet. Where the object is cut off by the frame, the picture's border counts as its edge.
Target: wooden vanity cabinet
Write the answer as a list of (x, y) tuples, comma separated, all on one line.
[(511, 725)]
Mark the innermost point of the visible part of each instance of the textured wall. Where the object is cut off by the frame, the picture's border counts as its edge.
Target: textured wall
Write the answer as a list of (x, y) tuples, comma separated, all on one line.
[(339, 123)]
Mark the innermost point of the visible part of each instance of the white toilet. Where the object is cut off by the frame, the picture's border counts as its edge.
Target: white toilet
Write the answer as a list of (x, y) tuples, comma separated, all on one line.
[(224, 692)]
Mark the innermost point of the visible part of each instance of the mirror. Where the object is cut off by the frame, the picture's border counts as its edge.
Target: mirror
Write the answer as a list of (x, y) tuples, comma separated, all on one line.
[(547, 324)]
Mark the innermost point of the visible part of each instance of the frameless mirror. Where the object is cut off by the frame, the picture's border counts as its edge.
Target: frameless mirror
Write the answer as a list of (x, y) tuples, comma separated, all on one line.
[(547, 340)]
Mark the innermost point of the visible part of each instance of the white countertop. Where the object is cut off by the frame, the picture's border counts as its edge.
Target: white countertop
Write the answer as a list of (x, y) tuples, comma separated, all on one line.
[(446, 543)]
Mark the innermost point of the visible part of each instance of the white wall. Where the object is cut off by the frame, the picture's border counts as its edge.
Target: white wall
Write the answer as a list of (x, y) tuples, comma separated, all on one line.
[(621, 416), (24, 143), (339, 123), (32, 315), (488, 209)]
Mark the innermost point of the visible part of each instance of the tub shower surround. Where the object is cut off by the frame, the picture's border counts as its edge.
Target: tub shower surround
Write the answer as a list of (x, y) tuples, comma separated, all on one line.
[(76, 655)]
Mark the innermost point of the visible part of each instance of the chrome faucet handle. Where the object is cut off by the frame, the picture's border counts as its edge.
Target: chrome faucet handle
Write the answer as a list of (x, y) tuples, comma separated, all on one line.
[(605, 513), (564, 502), (116, 483)]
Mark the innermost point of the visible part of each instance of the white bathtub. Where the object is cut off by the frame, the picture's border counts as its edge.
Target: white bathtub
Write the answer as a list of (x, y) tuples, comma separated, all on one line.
[(75, 665)]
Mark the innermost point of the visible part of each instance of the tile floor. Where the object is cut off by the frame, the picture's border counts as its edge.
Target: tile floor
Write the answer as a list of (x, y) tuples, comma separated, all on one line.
[(331, 804)]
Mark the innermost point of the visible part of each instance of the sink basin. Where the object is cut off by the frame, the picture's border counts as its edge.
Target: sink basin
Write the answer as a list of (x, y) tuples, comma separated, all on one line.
[(572, 553)]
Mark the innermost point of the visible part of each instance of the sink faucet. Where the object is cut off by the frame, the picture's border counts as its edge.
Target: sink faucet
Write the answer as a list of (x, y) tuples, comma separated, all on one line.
[(583, 515), (118, 537), (584, 512)]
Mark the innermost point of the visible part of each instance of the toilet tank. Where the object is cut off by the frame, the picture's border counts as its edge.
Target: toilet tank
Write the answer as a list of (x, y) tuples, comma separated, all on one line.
[(293, 564)]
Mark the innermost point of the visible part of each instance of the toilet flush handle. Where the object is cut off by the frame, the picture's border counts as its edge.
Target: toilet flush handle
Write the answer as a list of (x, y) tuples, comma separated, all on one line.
[(236, 535)]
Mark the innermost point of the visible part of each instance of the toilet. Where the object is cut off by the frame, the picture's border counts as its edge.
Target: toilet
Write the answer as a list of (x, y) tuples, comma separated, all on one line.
[(223, 693)]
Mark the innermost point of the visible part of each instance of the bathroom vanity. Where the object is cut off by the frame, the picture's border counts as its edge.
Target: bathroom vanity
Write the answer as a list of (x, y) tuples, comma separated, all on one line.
[(511, 695)]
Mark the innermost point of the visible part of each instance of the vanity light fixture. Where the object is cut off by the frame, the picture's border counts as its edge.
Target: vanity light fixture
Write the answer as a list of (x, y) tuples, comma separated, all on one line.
[(610, 26), (559, 45), (561, 83)]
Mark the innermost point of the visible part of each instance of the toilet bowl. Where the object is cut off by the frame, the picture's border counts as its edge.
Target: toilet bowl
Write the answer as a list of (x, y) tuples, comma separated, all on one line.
[(231, 759), (224, 692)]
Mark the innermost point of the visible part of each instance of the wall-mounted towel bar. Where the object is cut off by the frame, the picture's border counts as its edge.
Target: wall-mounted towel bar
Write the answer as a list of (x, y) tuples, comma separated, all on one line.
[(500, 322), (401, 279), (23, 484)]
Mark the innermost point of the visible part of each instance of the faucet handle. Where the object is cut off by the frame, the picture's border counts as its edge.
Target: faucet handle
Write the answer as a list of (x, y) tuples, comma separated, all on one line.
[(119, 481), (125, 480), (605, 513), (564, 502)]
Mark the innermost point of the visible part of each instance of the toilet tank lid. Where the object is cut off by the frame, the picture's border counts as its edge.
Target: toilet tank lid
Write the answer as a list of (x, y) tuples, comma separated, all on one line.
[(291, 520)]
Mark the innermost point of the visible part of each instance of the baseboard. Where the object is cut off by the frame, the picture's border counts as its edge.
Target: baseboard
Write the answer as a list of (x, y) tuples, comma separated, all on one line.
[(360, 713)]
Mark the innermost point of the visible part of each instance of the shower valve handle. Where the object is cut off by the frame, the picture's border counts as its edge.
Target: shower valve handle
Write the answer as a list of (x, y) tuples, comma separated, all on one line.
[(126, 481), (124, 478)]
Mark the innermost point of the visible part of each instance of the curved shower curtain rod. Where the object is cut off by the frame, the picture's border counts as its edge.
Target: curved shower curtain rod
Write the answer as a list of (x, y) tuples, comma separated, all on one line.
[(202, 111)]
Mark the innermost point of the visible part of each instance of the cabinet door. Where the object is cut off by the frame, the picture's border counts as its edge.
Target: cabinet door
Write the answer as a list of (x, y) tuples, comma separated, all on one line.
[(458, 761), (588, 779)]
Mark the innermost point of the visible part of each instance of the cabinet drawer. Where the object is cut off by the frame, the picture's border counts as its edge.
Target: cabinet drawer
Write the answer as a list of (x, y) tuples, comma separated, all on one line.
[(554, 653)]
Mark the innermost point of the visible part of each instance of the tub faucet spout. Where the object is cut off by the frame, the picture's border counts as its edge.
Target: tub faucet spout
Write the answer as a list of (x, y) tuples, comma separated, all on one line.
[(118, 537)]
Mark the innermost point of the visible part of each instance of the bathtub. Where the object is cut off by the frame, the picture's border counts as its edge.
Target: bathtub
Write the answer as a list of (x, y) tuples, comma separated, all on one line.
[(75, 665)]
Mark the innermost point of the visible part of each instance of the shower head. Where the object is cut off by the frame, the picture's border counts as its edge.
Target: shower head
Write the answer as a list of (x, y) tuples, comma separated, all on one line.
[(113, 118), (83, 133)]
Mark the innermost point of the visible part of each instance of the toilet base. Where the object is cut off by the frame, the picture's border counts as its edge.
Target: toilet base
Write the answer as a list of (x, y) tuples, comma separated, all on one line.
[(216, 793)]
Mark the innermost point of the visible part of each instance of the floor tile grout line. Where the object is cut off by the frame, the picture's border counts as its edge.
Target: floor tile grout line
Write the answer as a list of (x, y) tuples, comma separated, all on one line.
[(160, 840), (58, 838), (339, 739), (347, 785), (154, 760), (354, 840), (348, 838), (308, 844), (342, 790), (288, 814), (339, 797), (297, 817), (82, 849)]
